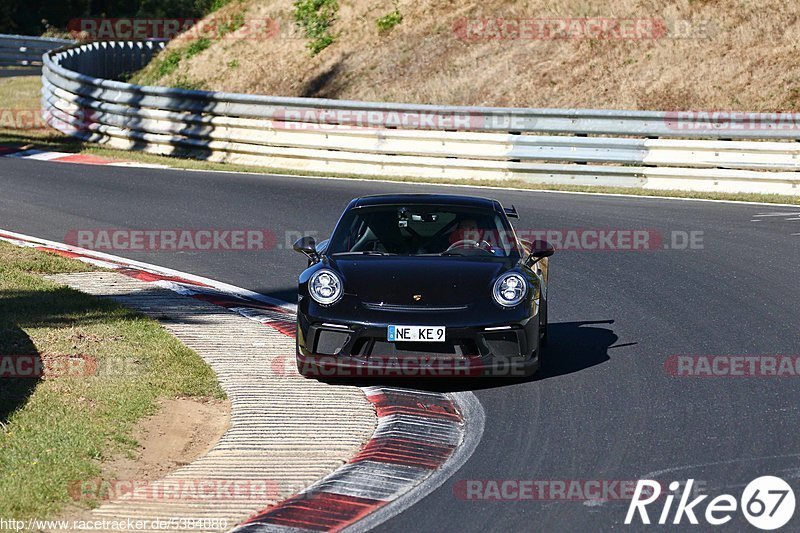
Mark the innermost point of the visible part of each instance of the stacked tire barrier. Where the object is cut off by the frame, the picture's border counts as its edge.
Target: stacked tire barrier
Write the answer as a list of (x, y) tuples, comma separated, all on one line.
[(722, 152), (18, 50)]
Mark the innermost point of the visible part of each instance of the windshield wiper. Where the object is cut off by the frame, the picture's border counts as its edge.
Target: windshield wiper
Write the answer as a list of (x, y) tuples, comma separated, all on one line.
[(454, 253), (364, 252)]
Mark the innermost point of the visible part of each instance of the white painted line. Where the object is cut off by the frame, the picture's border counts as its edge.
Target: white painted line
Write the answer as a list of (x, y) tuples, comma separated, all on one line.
[(39, 155), (659, 473), (776, 214), (225, 287), (135, 165)]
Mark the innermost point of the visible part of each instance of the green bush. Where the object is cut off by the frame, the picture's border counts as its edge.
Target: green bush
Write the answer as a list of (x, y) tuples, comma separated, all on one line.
[(230, 24), (167, 62), (315, 18), (217, 4), (197, 46), (389, 21), (166, 66)]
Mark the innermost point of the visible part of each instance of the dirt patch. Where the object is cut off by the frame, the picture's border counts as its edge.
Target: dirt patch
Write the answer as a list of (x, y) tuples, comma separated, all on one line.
[(182, 431)]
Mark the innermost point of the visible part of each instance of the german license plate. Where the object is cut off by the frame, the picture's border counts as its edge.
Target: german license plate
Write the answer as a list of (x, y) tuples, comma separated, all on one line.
[(416, 334)]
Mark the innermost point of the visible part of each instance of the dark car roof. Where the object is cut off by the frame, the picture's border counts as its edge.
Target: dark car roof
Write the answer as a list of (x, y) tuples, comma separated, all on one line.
[(427, 199)]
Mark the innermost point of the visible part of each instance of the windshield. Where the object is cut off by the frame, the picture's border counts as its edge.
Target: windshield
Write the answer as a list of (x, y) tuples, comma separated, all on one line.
[(423, 230)]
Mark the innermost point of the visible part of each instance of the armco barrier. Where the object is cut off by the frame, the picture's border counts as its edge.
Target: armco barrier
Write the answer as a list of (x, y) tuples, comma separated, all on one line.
[(19, 50), (742, 152)]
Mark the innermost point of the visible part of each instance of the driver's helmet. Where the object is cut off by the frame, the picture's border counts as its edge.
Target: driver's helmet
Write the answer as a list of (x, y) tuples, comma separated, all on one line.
[(466, 229)]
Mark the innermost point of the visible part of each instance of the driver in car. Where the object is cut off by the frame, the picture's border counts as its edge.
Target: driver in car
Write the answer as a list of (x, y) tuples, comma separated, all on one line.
[(467, 229), (468, 232)]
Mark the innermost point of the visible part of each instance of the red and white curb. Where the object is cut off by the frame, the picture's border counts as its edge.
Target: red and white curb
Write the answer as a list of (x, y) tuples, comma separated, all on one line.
[(66, 157), (417, 433), (421, 440)]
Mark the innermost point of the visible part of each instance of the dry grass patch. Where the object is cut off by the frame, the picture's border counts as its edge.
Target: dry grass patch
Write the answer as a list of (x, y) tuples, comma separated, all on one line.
[(728, 55)]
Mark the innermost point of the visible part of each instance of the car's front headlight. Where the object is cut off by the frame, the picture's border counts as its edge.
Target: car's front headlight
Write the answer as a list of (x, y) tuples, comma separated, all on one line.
[(510, 289), (325, 287)]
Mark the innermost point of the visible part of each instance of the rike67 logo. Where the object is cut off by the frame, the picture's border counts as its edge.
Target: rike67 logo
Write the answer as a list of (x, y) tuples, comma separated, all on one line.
[(766, 502)]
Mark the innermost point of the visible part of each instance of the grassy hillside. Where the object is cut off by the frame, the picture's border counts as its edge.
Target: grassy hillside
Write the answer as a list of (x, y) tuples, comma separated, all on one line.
[(699, 54)]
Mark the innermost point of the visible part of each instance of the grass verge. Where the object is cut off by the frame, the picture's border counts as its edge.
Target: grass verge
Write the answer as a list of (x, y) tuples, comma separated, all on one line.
[(58, 428)]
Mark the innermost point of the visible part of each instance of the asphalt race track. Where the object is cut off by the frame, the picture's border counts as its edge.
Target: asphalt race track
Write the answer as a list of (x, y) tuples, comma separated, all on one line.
[(604, 408)]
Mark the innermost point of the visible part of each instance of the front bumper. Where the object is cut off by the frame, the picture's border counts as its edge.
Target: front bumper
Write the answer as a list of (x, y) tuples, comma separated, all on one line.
[(327, 347), (326, 366)]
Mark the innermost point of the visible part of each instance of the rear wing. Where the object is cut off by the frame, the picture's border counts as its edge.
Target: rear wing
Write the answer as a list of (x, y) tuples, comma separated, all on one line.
[(511, 212)]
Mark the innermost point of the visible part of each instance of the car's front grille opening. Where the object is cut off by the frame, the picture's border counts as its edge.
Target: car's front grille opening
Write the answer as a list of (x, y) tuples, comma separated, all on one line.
[(362, 346), (416, 308), (503, 342), (330, 342)]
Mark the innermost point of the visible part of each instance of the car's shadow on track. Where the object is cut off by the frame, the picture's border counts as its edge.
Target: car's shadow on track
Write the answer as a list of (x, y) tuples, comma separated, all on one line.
[(572, 347), (575, 346)]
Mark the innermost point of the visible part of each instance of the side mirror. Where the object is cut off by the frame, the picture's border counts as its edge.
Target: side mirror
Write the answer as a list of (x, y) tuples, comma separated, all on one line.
[(308, 247), (539, 250)]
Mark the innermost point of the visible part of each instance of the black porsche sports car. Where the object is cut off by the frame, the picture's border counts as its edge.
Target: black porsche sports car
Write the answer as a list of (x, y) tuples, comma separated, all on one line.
[(422, 285)]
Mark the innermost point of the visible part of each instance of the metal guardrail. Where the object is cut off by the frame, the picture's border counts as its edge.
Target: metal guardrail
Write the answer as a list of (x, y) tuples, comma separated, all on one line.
[(658, 150), (18, 50)]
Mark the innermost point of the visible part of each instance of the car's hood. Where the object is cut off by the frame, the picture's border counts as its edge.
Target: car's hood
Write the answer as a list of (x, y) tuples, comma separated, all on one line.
[(435, 281)]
